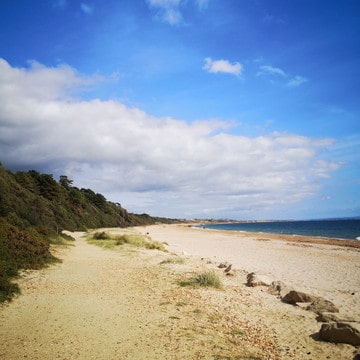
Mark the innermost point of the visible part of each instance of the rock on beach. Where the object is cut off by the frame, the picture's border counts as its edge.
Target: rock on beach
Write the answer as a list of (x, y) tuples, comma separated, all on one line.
[(340, 333)]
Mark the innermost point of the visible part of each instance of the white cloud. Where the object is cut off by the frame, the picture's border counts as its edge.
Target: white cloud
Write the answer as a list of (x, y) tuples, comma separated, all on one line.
[(169, 11), (162, 166), (267, 69), (222, 66), (86, 8), (292, 81), (297, 81)]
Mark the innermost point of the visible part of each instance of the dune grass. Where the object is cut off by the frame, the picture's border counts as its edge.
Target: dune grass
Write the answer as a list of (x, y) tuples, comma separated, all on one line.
[(111, 241), (178, 261), (204, 279)]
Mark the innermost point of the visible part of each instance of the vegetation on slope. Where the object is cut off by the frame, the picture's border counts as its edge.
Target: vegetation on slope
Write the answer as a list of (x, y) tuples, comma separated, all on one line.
[(20, 249), (34, 208)]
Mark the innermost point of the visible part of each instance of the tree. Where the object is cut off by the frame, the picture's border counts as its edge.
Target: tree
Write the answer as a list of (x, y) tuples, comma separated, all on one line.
[(65, 181)]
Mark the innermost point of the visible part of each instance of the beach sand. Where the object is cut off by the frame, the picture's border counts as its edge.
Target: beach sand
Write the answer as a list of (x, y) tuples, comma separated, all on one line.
[(328, 268), (318, 266), (127, 303)]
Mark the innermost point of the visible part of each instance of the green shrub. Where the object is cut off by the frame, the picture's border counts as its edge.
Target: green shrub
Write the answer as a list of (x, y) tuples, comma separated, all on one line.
[(20, 249), (154, 245), (101, 236)]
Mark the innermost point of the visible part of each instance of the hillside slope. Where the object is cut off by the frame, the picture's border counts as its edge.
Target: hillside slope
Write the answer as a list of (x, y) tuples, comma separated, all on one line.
[(34, 208)]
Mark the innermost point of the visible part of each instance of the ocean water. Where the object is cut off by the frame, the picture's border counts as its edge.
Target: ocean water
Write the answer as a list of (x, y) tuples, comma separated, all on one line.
[(339, 229)]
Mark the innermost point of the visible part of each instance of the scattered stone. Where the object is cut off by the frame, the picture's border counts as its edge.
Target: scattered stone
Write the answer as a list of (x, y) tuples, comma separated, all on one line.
[(321, 305), (223, 265), (294, 297), (278, 288), (228, 268), (340, 333), (254, 279), (327, 318)]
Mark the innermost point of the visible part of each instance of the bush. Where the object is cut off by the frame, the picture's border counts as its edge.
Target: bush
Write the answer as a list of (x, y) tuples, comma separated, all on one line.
[(101, 236), (20, 249)]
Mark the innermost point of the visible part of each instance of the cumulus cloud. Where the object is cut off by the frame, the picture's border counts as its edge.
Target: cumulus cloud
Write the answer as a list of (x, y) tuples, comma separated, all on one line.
[(162, 166), (222, 66), (169, 11)]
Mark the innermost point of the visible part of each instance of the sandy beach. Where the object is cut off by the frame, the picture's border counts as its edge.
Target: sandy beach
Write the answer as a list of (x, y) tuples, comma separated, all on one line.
[(127, 303), (328, 268), (317, 266)]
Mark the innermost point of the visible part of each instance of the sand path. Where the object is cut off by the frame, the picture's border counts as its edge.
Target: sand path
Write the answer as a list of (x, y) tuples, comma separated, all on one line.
[(84, 308)]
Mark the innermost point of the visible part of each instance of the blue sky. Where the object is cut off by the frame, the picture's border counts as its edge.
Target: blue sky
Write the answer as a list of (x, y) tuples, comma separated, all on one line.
[(188, 108)]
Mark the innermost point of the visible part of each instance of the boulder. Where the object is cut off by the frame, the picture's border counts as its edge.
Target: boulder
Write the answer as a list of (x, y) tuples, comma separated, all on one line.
[(293, 297), (254, 279), (321, 305), (340, 333)]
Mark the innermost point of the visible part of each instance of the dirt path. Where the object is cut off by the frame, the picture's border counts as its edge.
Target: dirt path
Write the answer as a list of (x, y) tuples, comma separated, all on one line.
[(125, 304)]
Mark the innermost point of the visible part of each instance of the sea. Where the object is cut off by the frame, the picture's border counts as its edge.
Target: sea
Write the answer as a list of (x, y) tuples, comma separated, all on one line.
[(348, 229)]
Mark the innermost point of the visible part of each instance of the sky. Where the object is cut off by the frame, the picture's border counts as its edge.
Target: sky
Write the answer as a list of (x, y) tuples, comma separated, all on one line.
[(239, 109)]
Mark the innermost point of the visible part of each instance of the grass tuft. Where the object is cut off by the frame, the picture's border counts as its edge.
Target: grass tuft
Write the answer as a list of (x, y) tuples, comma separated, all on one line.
[(178, 260), (137, 240), (205, 279)]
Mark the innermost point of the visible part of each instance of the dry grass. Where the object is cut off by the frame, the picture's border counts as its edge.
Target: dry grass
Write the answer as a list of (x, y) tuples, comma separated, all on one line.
[(205, 279), (109, 241)]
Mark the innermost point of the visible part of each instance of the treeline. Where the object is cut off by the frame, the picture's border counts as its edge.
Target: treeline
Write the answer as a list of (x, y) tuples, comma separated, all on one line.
[(34, 208)]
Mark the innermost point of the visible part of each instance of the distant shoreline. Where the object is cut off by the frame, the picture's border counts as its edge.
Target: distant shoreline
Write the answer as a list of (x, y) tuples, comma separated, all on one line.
[(289, 238), (323, 231)]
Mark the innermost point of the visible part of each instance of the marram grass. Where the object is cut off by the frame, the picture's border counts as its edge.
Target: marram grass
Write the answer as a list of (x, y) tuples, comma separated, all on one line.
[(205, 279), (109, 241)]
